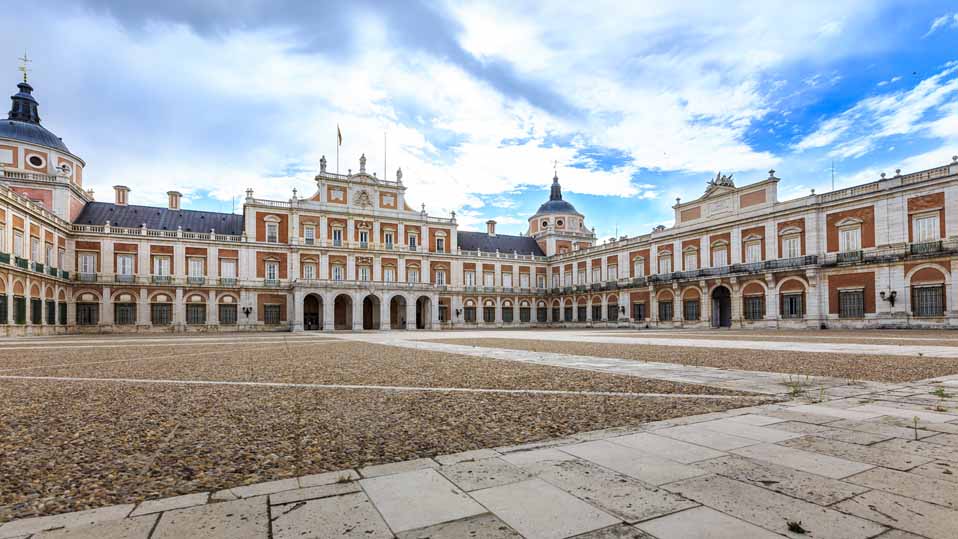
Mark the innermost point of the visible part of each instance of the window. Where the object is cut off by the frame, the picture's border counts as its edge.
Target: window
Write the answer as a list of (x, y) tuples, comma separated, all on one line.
[(791, 246), (440, 277), (568, 278), (567, 313), (754, 307), (489, 314), (507, 314), (272, 271), (440, 245), (365, 273), (35, 249), (339, 272), (337, 236), (523, 280), (638, 267), (525, 314), (51, 312), (36, 311), (470, 278), (849, 239), (507, 280), (61, 253), (413, 241), (690, 309), (488, 279), (665, 264), (309, 271), (580, 277), (443, 312), (596, 274), (20, 310), (272, 232), (4, 313), (88, 314), (580, 312), (161, 314), (928, 300), (309, 234), (61, 313), (3, 249), (388, 239), (124, 314), (196, 267), (49, 255), (271, 314), (613, 273), (691, 260), (555, 280), (719, 256), (596, 312), (87, 263), (161, 265), (18, 244), (851, 303), (638, 311), (195, 314), (555, 313), (227, 314), (124, 264), (363, 238), (540, 280), (389, 275), (925, 228), (541, 313), (469, 314), (613, 311), (753, 251), (412, 275), (793, 305), (228, 268), (665, 310)]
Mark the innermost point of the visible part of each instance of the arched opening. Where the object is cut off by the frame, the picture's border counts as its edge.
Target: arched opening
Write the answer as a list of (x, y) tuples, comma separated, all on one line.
[(423, 313), (397, 312), (343, 312), (371, 312), (312, 312), (721, 307)]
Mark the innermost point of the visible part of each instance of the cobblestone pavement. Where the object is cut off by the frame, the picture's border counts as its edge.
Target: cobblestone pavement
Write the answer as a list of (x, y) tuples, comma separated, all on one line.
[(838, 460)]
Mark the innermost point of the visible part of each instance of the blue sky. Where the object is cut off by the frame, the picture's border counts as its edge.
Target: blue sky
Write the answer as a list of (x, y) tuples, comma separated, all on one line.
[(637, 102)]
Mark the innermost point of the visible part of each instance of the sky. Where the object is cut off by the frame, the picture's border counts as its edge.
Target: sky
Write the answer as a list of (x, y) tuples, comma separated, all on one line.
[(634, 104)]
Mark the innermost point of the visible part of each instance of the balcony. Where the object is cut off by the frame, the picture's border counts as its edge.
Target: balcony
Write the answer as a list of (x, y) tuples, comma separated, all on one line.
[(196, 280), (794, 262), (364, 245), (270, 282), (925, 248), (52, 271), (227, 281), (124, 278), (849, 257), (388, 246), (64, 274), (309, 241), (37, 267), (4, 258), (21, 262), (337, 243), (639, 281), (86, 277), (162, 279)]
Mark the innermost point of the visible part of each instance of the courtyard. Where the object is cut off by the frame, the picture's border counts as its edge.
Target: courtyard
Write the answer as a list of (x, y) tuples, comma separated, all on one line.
[(500, 433)]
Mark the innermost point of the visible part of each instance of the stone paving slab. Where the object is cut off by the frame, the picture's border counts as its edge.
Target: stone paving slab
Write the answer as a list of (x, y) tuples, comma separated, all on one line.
[(27, 526), (466, 455), (939, 469), (351, 515), (668, 448), (128, 528), (312, 493), (486, 526), (771, 510), (929, 520), (168, 504), (806, 461), (262, 489), (920, 448), (923, 416), (484, 473), (619, 531), (908, 484), (744, 430), (950, 440), (882, 429), (755, 419), (873, 454), (620, 495), (525, 458), (240, 518), (704, 522), (698, 435), (419, 498), (327, 478), (834, 411), (833, 433), (773, 476), (398, 467), (632, 462), (537, 509)]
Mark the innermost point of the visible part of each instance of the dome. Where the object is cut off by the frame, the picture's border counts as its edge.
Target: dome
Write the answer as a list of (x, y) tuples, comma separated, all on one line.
[(23, 122), (555, 204)]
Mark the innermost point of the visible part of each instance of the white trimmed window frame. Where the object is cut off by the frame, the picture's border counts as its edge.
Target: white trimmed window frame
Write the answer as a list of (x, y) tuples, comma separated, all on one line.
[(926, 227)]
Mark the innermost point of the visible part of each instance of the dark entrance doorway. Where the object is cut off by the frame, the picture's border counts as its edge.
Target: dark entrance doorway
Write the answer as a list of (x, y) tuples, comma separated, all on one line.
[(312, 313), (423, 313), (397, 312), (370, 312), (343, 312), (721, 307)]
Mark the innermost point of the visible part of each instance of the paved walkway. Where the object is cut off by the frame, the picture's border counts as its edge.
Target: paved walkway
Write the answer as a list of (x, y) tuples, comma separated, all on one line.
[(843, 461)]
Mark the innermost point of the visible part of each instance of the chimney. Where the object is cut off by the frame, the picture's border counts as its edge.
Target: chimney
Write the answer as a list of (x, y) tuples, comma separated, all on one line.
[(491, 227), (122, 194), (174, 199)]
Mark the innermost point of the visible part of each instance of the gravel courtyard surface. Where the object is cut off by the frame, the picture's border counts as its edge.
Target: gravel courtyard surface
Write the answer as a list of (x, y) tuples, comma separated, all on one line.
[(73, 445), (849, 366), (944, 338)]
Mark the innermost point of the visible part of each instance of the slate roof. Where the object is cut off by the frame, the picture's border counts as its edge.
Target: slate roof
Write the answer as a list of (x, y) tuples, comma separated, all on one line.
[(31, 133), (482, 241), (132, 216)]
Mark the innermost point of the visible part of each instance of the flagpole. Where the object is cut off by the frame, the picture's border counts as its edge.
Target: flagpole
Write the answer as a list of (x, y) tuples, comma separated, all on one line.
[(338, 136), (385, 169)]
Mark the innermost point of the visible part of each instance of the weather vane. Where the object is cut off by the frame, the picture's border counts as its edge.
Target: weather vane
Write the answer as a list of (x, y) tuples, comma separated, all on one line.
[(23, 68), (555, 164)]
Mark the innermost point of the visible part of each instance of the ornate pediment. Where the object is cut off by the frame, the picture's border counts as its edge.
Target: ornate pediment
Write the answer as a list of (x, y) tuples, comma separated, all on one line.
[(719, 185), (362, 199)]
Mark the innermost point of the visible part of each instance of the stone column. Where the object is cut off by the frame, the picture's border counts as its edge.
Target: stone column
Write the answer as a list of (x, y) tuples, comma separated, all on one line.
[(143, 309), (357, 311), (106, 307), (385, 322), (179, 313), (411, 313), (329, 306)]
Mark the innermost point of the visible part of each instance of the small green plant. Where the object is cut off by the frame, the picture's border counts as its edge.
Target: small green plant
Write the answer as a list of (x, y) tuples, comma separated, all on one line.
[(344, 478), (796, 527), (915, 420), (796, 385)]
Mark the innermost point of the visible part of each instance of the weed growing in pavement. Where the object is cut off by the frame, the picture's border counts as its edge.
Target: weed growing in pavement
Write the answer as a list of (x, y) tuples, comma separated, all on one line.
[(344, 478), (796, 384), (796, 527), (915, 419)]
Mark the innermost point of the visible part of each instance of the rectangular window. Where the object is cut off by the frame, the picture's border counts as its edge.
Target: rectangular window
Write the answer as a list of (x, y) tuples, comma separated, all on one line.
[(507, 280), (754, 307), (440, 277), (49, 255), (88, 314), (388, 239), (540, 280), (691, 261), (18, 244), (271, 314), (196, 267), (489, 279), (3, 248), (555, 280), (851, 303), (365, 273), (36, 311), (489, 314), (227, 314), (580, 313), (638, 311), (363, 238), (412, 275), (753, 252), (124, 314), (720, 257), (87, 263), (337, 237), (195, 314), (691, 309), (567, 313), (161, 314), (596, 275), (124, 264), (339, 272), (542, 314), (440, 245), (523, 280), (665, 264), (568, 278), (309, 271), (596, 312), (849, 239), (926, 228), (791, 246), (793, 305), (309, 234), (613, 273), (665, 310), (580, 277), (161, 266), (556, 314), (612, 311), (272, 271), (413, 241), (638, 268), (4, 313), (35, 249), (228, 268), (272, 232), (61, 256), (62, 313), (389, 275), (469, 314), (470, 278), (507, 314), (525, 314), (928, 300)]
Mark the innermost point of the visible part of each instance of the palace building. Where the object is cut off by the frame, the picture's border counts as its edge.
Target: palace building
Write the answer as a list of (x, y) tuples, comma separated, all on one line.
[(356, 255)]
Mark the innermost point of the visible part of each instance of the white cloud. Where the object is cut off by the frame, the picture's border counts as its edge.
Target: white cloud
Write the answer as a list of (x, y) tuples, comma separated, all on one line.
[(948, 20)]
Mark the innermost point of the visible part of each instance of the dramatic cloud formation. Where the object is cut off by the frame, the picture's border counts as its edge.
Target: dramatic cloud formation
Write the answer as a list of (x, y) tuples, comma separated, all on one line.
[(634, 104)]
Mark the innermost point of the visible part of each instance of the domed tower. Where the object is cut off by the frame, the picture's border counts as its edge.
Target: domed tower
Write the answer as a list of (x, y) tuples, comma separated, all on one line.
[(557, 227), (36, 163)]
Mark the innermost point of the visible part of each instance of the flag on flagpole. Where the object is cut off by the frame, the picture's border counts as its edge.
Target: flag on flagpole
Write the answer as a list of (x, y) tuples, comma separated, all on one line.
[(339, 136)]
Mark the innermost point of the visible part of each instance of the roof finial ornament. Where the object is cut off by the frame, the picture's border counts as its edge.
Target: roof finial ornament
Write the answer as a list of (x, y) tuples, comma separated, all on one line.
[(322, 164), (399, 175), (771, 173), (362, 164), (24, 60)]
